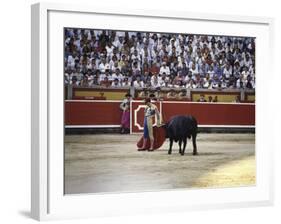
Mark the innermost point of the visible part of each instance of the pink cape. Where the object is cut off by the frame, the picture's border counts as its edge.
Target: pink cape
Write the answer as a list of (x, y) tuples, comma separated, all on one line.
[(159, 134), (125, 121)]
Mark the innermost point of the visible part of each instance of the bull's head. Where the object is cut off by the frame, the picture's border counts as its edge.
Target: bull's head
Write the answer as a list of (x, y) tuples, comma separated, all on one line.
[(165, 126)]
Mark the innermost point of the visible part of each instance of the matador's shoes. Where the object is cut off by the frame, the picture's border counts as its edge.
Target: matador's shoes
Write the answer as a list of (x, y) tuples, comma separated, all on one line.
[(142, 149)]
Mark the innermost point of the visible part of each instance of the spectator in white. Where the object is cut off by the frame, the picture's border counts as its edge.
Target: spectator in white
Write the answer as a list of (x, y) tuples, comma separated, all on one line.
[(92, 64), (155, 81), (109, 49), (171, 45), (112, 62), (78, 74), (105, 75), (215, 82), (161, 79), (247, 61), (154, 52), (91, 78), (236, 69), (102, 65), (240, 83), (116, 83), (118, 43), (107, 65), (188, 77), (227, 71), (206, 83), (125, 82), (164, 69), (67, 76), (145, 53), (245, 73), (190, 84), (223, 83), (193, 69), (138, 83), (134, 48), (211, 72), (117, 75), (135, 56), (70, 62)]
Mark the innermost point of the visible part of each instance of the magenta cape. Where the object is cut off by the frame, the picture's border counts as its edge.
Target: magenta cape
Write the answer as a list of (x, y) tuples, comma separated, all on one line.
[(159, 134), (125, 121)]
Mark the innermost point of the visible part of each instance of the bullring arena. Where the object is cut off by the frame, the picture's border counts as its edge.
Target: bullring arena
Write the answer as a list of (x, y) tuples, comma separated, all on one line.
[(210, 77), (99, 159)]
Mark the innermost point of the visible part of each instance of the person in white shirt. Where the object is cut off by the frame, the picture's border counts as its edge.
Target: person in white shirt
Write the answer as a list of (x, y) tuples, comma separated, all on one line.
[(164, 69), (126, 82), (227, 71), (109, 49), (135, 56), (134, 48), (245, 74), (117, 75), (240, 84), (70, 61), (116, 83), (118, 43), (92, 65), (102, 65), (138, 83), (193, 69), (155, 81), (190, 84), (106, 74), (211, 72)]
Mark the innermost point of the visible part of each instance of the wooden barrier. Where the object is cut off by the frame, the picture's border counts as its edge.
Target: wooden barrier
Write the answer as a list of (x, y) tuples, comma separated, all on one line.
[(101, 113), (92, 113)]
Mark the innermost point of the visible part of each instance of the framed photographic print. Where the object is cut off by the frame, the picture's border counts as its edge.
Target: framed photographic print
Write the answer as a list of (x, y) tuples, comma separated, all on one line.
[(138, 111)]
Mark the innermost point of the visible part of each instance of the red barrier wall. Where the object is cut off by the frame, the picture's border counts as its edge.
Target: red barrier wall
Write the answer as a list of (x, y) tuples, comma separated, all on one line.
[(206, 113), (213, 113), (109, 113), (92, 113)]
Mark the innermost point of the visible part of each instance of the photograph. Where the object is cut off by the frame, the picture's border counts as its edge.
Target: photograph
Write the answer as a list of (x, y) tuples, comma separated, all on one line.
[(151, 111)]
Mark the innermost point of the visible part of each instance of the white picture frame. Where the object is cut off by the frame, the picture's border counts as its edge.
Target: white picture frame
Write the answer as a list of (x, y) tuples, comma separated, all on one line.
[(48, 201)]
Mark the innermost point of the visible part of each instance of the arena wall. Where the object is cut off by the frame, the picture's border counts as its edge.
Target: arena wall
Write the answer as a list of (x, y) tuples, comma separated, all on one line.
[(92, 113), (99, 113)]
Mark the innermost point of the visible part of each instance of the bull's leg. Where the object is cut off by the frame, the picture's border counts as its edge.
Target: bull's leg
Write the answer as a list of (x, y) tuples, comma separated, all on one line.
[(194, 144), (171, 145), (180, 141), (184, 145)]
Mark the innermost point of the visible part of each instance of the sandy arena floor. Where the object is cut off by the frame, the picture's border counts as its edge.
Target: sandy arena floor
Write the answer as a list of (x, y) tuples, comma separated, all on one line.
[(111, 163)]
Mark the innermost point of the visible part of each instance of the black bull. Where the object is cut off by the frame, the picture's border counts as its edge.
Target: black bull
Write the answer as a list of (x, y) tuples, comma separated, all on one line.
[(178, 129)]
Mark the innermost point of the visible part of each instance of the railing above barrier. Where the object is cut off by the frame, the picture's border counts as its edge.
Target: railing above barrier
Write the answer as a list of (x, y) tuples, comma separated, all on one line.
[(173, 94)]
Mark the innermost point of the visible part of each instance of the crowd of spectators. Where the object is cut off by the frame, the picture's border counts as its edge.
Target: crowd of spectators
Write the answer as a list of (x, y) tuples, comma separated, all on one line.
[(152, 60)]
